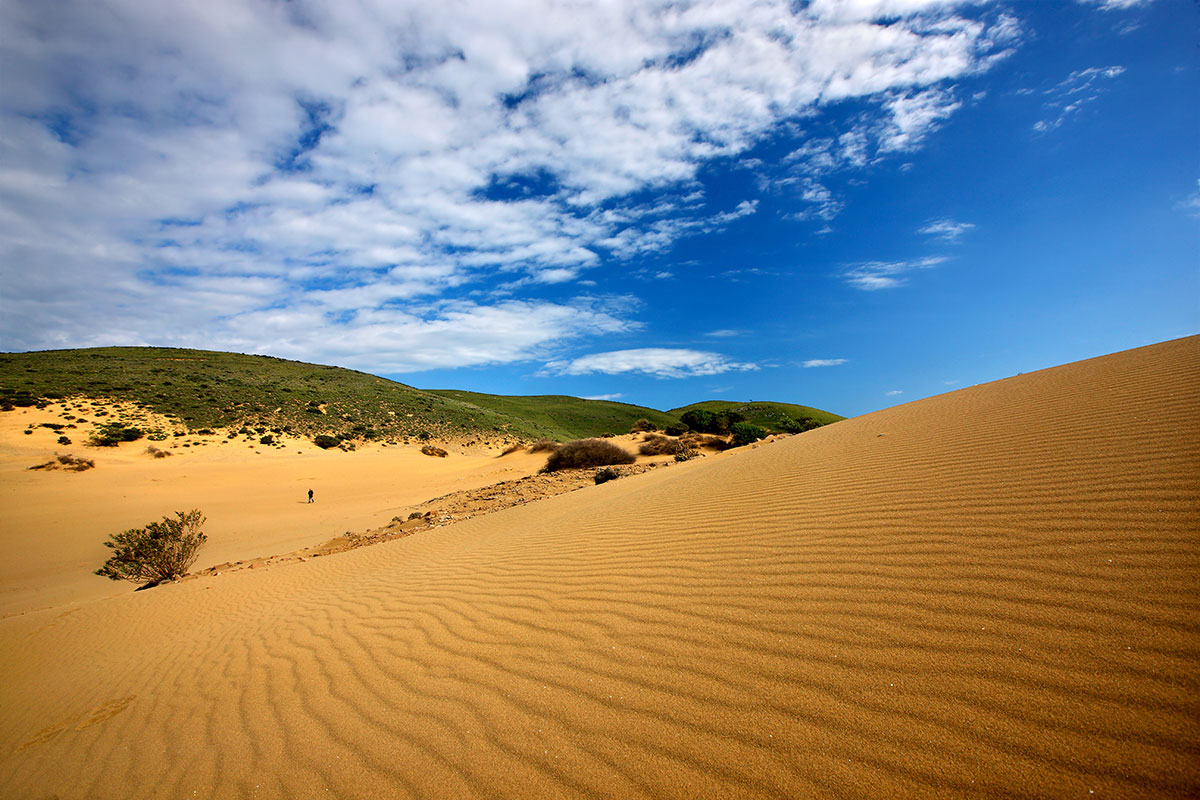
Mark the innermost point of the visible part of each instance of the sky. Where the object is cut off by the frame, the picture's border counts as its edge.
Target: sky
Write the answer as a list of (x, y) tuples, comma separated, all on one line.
[(847, 204)]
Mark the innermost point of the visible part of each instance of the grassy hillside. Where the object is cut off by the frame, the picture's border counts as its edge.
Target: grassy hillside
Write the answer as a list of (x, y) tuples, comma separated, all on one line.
[(204, 389), (561, 417), (772, 416)]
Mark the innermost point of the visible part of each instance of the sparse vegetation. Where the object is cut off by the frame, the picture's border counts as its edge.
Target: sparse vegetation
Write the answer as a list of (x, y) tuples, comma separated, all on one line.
[(587, 453), (157, 453), (643, 425), (436, 452), (67, 462), (543, 446), (513, 448), (157, 552)]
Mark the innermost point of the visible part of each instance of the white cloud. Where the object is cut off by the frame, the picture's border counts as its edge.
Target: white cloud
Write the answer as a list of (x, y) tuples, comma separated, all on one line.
[(823, 362), (875, 275), (946, 229), (614, 396), (723, 333), (893, 392), (354, 165), (657, 361), (1191, 204), (1076, 91), (1116, 5)]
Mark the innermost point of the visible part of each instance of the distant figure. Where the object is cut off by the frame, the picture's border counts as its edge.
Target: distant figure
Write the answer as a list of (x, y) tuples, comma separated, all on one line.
[(310, 497)]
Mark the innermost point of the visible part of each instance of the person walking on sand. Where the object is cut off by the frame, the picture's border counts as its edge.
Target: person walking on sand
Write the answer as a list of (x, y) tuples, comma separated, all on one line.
[(310, 496)]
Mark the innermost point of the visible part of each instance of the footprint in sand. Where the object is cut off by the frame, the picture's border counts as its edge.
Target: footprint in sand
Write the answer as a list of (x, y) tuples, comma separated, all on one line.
[(97, 715)]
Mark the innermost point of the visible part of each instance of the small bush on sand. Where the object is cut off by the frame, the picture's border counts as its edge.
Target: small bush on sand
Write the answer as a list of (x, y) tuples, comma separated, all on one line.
[(697, 441), (543, 446), (268, 439), (660, 446), (606, 474), (744, 433), (325, 441), (156, 552), (68, 462), (643, 425), (587, 453), (675, 430), (513, 448), (64, 440), (113, 434), (437, 452), (685, 454), (154, 451)]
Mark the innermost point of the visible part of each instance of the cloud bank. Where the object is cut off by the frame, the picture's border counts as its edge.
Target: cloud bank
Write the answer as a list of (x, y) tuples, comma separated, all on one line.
[(397, 185)]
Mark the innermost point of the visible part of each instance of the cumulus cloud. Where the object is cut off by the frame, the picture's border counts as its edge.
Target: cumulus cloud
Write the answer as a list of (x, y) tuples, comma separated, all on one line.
[(365, 162), (823, 362), (947, 230), (657, 361), (875, 275)]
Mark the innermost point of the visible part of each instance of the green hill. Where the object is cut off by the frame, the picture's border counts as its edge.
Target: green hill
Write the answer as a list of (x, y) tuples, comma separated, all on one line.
[(205, 389), (775, 417), (561, 417)]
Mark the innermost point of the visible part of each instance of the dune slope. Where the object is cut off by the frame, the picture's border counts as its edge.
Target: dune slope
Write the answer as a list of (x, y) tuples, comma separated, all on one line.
[(989, 593)]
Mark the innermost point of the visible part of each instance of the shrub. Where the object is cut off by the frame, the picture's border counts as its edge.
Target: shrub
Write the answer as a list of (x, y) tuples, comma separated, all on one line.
[(660, 446), (700, 420), (698, 440), (64, 440), (543, 446), (430, 450), (268, 439), (643, 425), (676, 430), (156, 552), (68, 462), (744, 433), (799, 425), (325, 441), (606, 474), (587, 453), (685, 454), (513, 448), (154, 451), (113, 434)]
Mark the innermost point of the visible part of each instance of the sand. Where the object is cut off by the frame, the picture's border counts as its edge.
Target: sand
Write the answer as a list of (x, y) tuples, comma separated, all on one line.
[(991, 593)]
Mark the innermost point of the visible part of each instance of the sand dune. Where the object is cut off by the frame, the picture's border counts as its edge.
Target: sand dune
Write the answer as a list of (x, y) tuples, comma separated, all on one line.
[(991, 593)]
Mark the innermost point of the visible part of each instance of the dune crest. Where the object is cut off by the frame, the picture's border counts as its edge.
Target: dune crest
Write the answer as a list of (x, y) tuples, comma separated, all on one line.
[(993, 592)]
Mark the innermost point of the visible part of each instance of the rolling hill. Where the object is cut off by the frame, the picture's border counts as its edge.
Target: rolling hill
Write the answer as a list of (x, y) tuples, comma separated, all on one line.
[(202, 389)]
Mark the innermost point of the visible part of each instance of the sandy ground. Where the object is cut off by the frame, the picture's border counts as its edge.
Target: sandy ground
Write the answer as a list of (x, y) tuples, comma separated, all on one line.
[(254, 496), (992, 593)]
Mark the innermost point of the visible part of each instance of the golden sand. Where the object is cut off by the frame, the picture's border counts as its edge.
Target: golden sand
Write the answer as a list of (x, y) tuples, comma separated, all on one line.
[(990, 593)]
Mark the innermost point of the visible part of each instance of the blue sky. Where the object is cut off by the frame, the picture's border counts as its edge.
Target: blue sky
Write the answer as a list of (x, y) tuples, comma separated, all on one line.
[(841, 204)]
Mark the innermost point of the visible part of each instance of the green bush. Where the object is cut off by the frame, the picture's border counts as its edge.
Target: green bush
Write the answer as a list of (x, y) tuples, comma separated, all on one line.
[(744, 433), (676, 430), (799, 425), (268, 439), (587, 453), (325, 441), (113, 434), (156, 552)]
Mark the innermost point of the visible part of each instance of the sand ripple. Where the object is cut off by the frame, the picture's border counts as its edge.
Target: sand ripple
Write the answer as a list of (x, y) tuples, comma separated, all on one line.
[(989, 593)]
